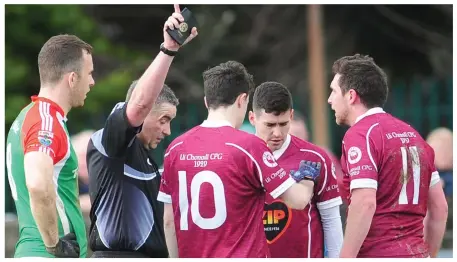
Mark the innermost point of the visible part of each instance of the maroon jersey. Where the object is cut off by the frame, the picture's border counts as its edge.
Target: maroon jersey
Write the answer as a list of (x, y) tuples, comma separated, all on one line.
[(299, 233), (216, 176), (384, 153)]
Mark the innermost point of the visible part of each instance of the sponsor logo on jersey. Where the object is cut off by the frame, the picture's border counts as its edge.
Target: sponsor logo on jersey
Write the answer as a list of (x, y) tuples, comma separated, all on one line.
[(269, 159), (354, 155), (276, 220), (44, 141), (334, 171), (332, 187), (45, 134)]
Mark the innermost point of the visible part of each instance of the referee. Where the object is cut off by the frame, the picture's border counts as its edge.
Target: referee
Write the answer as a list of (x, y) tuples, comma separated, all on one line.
[(126, 218)]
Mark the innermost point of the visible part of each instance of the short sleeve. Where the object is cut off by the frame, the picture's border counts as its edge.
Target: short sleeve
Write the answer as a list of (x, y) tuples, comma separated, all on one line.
[(360, 157), (435, 177), (273, 178), (118, 133), (47, 138), (328, 192)]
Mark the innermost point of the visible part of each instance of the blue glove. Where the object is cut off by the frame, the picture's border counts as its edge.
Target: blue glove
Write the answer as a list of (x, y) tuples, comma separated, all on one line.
[(307, 170)]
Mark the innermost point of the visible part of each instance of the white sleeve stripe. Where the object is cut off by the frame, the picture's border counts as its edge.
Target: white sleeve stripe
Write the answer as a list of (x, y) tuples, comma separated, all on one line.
[(368, 146), (364, 183), (46, 118), (177, 144), (325, 168), (252, 158), (283, 187), (45, 150), (43, 120), (435, 179), (337, 201), (49, 116), (162, 197)]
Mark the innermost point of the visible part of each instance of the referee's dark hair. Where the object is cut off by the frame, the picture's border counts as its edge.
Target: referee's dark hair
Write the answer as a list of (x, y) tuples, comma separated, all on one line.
[(166, 95)]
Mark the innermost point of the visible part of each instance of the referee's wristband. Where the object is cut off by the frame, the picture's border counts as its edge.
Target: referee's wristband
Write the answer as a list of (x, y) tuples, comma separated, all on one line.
[(167, 51)]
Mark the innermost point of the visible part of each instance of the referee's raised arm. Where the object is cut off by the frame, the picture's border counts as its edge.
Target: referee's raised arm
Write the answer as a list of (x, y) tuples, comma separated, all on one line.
[(151, 82), (122, 126)]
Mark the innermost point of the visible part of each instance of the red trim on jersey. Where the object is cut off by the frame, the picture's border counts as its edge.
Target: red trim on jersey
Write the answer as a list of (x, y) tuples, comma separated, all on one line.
[(41, 130)]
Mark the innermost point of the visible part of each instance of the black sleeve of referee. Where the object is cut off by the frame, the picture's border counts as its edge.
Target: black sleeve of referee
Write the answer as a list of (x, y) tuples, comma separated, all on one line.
[(118, 133)]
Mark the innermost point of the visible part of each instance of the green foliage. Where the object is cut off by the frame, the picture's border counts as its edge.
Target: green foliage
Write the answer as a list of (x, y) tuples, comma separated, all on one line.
[(28, 27)]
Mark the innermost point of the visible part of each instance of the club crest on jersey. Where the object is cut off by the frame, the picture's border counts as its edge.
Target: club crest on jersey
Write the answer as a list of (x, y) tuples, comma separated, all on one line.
[(276, 220), (354, 155), (269, 159)]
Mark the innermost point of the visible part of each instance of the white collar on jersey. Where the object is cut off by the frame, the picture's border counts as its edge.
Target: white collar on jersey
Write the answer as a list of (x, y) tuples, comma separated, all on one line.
[(371, 111), (278, 153), (215, 123), (61, 117)]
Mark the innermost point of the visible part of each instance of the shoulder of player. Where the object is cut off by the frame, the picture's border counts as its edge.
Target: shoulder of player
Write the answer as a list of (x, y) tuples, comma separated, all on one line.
[(246, 142), (180, 140), (246, 139), (306, 145), (311, 151), (43, 116), (362, 129), (300, 143)]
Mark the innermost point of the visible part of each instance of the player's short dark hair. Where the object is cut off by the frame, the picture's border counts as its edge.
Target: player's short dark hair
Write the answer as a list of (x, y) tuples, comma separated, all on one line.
[(360, 72), (61, 54), (273, 97), (225, 82), (166, 95)]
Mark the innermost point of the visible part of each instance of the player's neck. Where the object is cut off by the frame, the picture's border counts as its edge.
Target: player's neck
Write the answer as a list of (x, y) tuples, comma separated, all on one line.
[(57, 95), (222, 114), (358, 111)]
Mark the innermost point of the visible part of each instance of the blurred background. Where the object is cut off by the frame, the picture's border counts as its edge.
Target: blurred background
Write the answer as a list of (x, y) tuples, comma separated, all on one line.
[(294, 45)]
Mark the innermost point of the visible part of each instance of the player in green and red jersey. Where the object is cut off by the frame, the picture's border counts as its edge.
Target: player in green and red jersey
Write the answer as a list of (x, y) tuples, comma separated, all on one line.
[(41, 163)]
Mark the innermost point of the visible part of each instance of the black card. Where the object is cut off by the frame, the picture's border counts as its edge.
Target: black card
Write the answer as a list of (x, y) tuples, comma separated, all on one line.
[(182, 33)]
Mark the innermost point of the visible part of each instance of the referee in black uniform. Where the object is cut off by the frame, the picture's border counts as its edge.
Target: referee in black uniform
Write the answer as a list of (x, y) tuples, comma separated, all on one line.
[(126, 218)]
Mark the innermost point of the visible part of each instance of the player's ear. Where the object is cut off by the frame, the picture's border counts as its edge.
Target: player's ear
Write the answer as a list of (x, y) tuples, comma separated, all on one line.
[(206, 104), (291, 114), (352, 96), (72, 79), (252, 118), (242, 98)]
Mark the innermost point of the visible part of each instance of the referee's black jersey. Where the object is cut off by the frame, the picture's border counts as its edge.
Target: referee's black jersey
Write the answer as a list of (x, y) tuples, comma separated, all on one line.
[(123, 183)]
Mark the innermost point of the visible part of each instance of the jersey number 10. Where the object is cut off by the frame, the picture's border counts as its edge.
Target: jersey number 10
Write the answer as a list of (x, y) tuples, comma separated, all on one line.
[(219, 200)]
